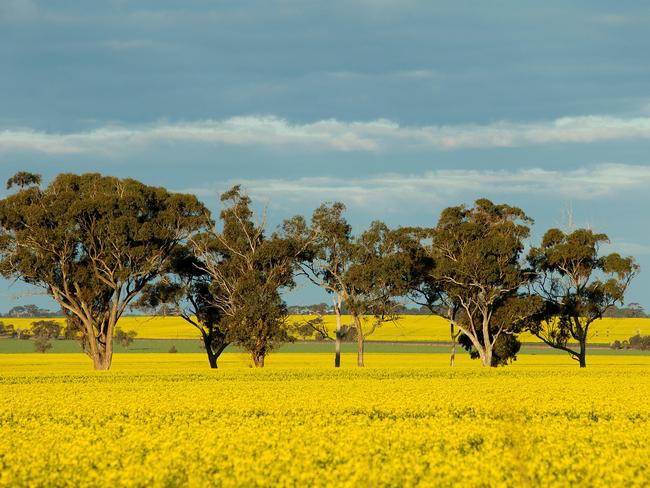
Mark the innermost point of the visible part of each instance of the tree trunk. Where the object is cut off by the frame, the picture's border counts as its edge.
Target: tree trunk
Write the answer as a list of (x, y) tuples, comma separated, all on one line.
[(487, 357), (337, 357), (582, 357), (487, 346), (212, 351), (212, 359), (258, 360), (102, 360), (102, 353), (452, 360), (360, 344), (484, 350)]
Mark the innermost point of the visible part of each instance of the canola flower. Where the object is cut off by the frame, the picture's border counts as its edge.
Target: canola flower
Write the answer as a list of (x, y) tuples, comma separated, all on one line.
[(408, 328), (164, 420)]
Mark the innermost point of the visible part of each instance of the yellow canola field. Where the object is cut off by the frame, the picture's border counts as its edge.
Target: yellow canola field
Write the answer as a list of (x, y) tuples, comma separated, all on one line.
[(416, 328), (167, 421), (425, 328)]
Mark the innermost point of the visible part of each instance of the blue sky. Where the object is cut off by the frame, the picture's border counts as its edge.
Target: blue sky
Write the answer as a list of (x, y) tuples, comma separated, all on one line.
[(397, 108)]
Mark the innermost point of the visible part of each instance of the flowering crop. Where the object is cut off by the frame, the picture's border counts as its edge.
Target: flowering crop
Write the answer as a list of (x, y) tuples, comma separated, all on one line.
[(423, 328), (164, 420)]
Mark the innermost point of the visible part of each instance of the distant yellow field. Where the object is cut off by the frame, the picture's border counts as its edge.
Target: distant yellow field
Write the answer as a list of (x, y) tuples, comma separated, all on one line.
[(422, 328), (415, 328)]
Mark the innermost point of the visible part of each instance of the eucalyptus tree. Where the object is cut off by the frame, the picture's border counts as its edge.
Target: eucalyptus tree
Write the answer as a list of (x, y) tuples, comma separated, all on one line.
[(187, 289), (382, 270), (327, 256), (476, 261), (246, 271), (429, 293), (427, 290), (364, 274), (512, 314), (23, 179), (578, 285), (93, 243)]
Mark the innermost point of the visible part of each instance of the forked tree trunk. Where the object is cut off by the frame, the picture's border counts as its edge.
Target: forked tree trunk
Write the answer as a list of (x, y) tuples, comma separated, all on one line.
[(213, 350), (98, 347), (102, 361), (101, 352), (484, 350)]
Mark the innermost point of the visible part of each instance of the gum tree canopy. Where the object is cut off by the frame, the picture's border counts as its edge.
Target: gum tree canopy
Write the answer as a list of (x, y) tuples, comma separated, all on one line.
[(327, 257), (188, 290), (93, 242), (578, 285), (246, 270), (476, 260)]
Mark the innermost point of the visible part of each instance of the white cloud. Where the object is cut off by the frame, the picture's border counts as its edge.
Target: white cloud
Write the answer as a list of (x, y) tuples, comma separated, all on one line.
[(330, 134), (393, 190)]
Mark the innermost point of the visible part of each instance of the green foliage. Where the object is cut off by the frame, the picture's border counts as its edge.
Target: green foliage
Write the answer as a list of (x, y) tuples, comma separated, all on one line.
[(124, 338), (473, 269), (24, 334), (74, 330), (306, 330), (365, 274), (381, 270), (244, 272), (578, 286), (7, 330), (637, 341), (23, 179), (93, 243), (480, 245), (631, 311), (185, 289), (504, 350), (46, 328), (315, 328), (42, 344), (30, 310)]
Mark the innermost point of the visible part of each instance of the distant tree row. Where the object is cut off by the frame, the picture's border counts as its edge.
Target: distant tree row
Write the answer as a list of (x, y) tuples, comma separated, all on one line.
[(631, 311), (44, 331), (637, 341), (30, 311), (100, 244)]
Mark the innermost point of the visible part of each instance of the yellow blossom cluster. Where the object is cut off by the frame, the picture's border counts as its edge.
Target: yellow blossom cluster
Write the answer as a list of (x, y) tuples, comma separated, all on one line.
[(147, 423)]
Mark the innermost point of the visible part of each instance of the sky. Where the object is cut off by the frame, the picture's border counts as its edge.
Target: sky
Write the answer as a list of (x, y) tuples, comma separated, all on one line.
[(396, 108)]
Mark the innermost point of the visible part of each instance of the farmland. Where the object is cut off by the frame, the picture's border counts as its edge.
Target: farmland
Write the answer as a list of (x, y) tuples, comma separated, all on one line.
[(405, 420), (408, 328)]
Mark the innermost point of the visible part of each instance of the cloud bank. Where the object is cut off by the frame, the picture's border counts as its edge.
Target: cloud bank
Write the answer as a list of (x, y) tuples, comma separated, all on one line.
[(330, 134), (401, 191)]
